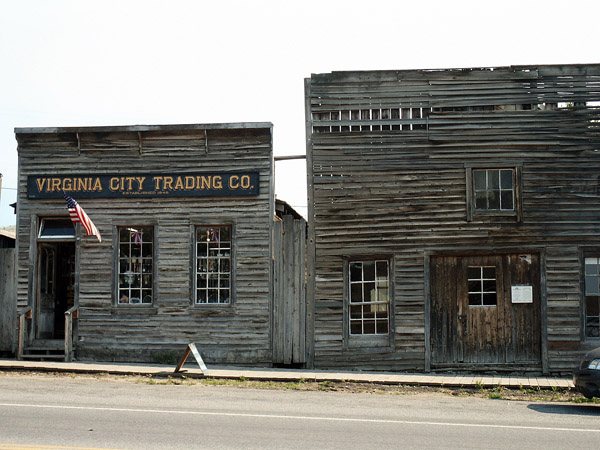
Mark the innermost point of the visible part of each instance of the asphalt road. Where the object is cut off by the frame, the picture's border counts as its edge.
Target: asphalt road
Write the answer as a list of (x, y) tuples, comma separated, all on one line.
[(39, 412)]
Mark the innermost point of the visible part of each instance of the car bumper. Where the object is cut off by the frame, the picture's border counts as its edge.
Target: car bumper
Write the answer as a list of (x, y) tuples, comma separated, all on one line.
[(587, 382)]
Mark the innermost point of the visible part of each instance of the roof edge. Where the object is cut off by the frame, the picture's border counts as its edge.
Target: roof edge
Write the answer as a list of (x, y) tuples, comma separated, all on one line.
[(116, 128)]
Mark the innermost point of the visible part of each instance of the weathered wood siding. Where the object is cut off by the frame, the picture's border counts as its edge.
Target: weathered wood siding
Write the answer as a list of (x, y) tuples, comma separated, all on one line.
[(289, 290), (239, 333), (8, 304), (387, 156)]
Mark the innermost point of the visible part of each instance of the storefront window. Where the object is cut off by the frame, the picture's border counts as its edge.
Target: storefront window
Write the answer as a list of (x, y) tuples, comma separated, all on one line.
[(213, 264), (136, 265)]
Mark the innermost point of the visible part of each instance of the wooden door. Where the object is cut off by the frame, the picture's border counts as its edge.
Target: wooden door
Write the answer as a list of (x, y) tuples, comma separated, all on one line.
[(46, 290), (475, 320)]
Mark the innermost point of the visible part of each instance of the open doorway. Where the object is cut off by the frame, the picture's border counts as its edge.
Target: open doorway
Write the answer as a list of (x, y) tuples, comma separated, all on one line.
[(56, 277)]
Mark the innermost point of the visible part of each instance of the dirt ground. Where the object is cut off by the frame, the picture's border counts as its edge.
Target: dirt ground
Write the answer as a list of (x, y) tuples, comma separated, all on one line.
[(498, 392)]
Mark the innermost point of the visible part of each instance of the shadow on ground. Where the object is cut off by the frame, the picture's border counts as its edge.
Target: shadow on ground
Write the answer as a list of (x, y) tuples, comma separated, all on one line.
[(571, 409)]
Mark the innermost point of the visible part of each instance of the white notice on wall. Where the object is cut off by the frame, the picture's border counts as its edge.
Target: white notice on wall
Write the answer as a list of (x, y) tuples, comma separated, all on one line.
[(522, 294)]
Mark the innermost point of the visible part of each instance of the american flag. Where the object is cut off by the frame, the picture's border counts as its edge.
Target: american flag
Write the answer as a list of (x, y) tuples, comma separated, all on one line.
[(78, 215)]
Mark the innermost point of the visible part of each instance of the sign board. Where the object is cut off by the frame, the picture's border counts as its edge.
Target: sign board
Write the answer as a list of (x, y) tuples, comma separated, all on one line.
[(128, 185), (522, 294)]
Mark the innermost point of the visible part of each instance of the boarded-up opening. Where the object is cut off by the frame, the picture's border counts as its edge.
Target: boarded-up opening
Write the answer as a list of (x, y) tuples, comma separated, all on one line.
[(289, 290)]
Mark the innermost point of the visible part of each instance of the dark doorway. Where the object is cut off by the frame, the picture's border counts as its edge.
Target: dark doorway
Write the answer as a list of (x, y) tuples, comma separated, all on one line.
[(56, 287)]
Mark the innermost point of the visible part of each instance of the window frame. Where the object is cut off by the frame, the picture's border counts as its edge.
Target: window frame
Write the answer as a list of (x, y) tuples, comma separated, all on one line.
[(354, 342), (116, 264), (482, 290), (194, 260), (588, 254), (474, 213)]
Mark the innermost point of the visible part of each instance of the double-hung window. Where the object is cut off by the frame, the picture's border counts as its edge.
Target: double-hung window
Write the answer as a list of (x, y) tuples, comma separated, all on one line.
[(135, 283), (369, 298), (213, 264)]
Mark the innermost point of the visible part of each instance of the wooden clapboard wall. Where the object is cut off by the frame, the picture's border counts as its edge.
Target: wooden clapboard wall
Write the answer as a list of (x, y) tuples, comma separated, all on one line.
[(387, 157), (239, 333)]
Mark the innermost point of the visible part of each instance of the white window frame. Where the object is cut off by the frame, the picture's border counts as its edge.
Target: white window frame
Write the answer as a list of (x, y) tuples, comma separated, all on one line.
[(355, 305), (213, 263), (135, 264), (481, 291)]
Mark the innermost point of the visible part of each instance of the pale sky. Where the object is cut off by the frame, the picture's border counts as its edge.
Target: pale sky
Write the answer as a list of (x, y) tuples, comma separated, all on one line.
[(87, 63)]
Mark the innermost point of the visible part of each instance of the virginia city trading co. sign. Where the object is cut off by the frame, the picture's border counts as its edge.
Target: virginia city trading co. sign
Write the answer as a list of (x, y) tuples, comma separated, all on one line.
[(145, 185)]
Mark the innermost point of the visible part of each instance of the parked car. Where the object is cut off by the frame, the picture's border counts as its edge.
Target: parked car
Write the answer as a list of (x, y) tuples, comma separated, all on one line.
[(586, 377)]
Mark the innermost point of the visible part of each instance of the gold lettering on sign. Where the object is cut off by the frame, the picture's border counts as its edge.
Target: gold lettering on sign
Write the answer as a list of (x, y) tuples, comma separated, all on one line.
[(179, 183)]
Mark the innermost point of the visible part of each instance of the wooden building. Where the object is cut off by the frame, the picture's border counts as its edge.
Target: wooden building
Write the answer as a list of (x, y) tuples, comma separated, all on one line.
[(185, 215), (454, 218), (8, 307)]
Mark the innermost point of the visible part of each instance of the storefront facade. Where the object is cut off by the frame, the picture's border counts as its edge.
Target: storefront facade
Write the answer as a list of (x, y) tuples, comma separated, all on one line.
[(185, 216)]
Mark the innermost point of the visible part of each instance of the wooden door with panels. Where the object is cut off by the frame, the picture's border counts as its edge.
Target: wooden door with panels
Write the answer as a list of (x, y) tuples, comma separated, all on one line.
[(485, 311)]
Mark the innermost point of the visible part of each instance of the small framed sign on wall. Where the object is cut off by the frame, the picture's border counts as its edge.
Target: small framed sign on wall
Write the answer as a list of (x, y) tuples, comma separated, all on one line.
[(522, 294)]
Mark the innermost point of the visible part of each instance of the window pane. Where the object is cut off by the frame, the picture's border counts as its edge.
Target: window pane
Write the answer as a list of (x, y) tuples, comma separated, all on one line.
[(474, 286), (356, 292), (493, 199), (592, 328), (591, 285), (506, 179), (369, 327), (369, 292), (480, 200), (591, 268), (591, 306), (225, 234), (382, 327), (493, 179), (355, 272), (489, 286), (146, 296), (489, 273), (479, 182), (506, 200), (489, 299), (474, 273), (369, 271), (382, 294), (356, 312), (382, 270), (474, 299), (355, 327)]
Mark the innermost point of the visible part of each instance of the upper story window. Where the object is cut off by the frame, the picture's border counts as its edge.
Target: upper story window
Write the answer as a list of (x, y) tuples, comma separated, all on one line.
[(136, 265), (213, 264), (592, 297), (369, 298), (494, 189)]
